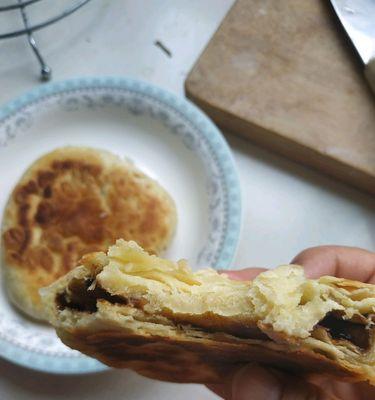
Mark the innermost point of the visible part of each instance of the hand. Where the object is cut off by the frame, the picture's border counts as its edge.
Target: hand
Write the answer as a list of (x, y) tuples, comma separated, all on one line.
[(254, 382)]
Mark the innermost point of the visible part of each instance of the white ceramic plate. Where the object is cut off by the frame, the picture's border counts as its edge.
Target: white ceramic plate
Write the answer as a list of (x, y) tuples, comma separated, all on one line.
[(166, 136)]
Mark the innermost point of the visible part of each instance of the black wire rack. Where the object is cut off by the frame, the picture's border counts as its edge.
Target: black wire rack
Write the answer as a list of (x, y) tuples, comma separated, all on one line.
[(22, 5)]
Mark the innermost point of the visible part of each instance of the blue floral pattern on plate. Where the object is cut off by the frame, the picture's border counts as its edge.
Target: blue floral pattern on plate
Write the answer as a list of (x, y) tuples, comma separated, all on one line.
[(18, 342)]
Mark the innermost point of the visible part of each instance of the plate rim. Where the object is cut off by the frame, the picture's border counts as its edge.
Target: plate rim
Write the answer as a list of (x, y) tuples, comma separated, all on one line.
[(201, 122)]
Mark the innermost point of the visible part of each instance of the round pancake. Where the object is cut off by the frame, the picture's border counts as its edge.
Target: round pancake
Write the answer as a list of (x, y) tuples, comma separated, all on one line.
[(70, 202)]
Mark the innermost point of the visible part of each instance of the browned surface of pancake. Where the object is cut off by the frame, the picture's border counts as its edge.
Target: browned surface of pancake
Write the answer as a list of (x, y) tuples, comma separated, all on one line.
[(132, 310), (186, 359), (73, 201)]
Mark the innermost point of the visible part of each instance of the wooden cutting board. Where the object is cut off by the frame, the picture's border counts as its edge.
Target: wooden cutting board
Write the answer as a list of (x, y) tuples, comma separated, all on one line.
[(283, 74)]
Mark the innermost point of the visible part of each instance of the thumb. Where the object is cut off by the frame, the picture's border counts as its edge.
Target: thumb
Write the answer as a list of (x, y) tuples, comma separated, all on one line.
[(257, 383)]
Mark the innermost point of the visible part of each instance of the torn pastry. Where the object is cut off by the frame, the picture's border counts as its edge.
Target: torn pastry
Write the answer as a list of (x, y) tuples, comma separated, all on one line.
[(133, 310)]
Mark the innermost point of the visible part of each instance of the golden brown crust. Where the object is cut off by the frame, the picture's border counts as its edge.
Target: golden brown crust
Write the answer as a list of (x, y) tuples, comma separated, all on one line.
[(132, 310), (73, 201), (188, 359)]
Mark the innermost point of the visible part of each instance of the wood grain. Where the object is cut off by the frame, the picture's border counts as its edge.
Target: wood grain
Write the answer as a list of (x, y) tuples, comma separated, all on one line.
[(283, 74)]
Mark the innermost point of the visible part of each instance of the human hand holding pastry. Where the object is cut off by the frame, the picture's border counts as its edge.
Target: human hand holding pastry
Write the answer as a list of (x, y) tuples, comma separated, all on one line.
[(257, 383), (130, 309)]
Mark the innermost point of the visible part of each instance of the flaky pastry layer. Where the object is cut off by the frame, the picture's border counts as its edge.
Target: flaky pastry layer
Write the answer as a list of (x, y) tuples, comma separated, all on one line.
[(281, 318)]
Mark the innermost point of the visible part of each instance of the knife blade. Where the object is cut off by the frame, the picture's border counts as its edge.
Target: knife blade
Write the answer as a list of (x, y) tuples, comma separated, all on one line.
[(358, 19)]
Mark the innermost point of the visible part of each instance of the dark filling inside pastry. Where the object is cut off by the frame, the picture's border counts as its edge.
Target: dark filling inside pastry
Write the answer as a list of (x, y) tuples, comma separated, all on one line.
[(341, 329), (82, 296)]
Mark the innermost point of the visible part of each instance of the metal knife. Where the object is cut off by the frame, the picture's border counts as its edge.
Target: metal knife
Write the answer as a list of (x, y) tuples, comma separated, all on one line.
[(358, 19)]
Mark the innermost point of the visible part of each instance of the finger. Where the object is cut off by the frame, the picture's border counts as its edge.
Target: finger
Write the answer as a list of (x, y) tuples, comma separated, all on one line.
[(257, 383), (344, 390), (343, 262), (246, 274)]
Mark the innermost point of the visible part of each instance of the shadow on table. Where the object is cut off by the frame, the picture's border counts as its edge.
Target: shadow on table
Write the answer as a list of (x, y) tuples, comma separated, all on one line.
[(319, 180)]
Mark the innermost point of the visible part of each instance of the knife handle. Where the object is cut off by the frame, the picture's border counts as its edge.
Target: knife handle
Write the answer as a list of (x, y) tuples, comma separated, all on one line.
[(370, 73)]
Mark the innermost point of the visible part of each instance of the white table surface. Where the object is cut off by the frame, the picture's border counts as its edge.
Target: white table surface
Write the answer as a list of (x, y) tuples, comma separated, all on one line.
[(286, 207)]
